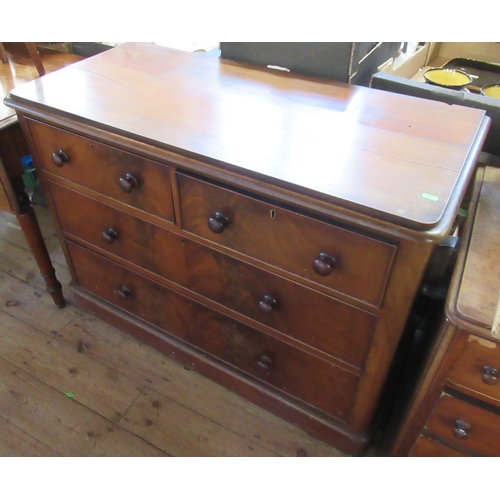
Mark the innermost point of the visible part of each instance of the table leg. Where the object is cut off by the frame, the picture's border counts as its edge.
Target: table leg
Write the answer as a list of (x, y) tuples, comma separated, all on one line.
[(31, 229), (29, 225)]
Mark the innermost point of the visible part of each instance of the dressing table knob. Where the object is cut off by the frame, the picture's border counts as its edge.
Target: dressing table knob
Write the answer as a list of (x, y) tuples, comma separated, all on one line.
[(461, 428), (123, 292), (128, 183), (218, 222), (265, 362), (323, 265), (109, 235), (490, 375), (268, 304), (60, 158)]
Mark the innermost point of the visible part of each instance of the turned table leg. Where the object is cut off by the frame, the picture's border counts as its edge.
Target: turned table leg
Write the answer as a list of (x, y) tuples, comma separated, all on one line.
[(31, 229)]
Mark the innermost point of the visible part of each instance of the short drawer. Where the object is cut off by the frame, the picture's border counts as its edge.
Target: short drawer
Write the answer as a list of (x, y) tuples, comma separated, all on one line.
[(314, 318), (466, 426), (337, 258), (128, 178), (478, 367), (144, 244), (310, 379), (426, 447)]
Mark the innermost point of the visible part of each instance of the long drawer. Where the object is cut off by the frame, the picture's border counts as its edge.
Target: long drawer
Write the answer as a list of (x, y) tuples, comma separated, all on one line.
[(465, 425), (131, 179), (147, 245), (314, 318), (299, 374), (478, 368), (332, 256)]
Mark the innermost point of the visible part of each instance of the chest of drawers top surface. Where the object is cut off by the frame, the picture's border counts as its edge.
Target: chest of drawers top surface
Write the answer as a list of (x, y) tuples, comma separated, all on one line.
[(391, 156)]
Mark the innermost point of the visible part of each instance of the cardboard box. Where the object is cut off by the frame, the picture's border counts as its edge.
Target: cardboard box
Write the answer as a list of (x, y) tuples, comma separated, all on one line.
[(348, 62), (407, 78)]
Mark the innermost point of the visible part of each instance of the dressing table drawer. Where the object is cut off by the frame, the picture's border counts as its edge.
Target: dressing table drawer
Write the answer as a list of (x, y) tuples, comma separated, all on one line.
[(478, 368), (123, 176), (466, 426)]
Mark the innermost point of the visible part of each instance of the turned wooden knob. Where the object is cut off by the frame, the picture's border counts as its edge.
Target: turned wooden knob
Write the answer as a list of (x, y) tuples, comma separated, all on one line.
[(109, 235), (265, 362), (268, 304), (324, 264), (123, 292), (218, 222), (128, 183), (461, 429), (60, 158), (490, 375)]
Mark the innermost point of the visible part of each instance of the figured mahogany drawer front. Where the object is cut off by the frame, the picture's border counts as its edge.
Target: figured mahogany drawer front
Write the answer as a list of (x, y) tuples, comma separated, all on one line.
[(465, 425), (310, 379), (478, 367), (329, 255), (148, 246), (131, 179), (317, 319)]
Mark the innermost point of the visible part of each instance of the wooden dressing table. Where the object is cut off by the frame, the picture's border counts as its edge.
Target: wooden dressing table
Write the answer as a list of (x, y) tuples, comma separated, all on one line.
[(455, 410), (267, 230), (15, 200)]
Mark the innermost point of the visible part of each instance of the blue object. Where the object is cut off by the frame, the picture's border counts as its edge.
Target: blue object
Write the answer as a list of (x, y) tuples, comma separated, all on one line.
[(29, 176), (27, 162)]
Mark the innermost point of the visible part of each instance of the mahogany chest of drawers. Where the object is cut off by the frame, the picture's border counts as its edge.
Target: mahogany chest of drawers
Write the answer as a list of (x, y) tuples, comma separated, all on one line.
[(456, 408), (266, 230)]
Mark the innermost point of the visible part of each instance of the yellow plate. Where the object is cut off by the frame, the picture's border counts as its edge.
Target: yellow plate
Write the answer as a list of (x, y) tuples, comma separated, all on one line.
[(447, 77), (492, 90)]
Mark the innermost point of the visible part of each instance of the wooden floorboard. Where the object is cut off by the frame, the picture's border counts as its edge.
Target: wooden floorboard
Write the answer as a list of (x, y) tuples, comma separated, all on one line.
[(71, 385)]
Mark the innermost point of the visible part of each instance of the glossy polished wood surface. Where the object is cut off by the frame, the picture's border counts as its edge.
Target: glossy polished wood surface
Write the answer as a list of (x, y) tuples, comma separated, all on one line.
[(19, 69), (393, 156)]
